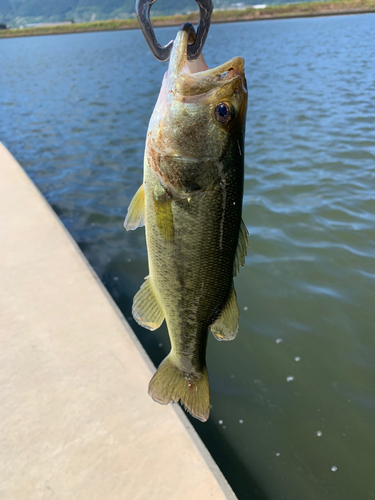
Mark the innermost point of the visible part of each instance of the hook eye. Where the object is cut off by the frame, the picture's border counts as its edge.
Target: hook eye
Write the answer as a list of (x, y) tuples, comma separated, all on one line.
[(163, 52)]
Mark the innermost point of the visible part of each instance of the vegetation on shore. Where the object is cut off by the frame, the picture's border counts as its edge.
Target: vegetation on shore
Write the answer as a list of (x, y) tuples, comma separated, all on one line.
[(305, 9)]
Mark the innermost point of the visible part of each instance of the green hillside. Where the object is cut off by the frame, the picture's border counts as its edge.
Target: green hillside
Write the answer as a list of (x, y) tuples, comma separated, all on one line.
[(22, 12)]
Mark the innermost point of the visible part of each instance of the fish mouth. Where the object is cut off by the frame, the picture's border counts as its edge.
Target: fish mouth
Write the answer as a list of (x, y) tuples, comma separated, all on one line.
[(194, 78), (194, 84)]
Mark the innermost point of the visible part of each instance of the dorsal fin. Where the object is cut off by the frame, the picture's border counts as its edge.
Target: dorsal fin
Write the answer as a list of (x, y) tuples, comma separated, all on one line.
[(241, 252)]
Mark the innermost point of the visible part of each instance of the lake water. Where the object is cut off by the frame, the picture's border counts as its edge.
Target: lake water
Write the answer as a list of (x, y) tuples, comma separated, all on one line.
[(293, 397)]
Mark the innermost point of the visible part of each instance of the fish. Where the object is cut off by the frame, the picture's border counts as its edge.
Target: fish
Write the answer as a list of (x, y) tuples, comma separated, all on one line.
[(190, 203)]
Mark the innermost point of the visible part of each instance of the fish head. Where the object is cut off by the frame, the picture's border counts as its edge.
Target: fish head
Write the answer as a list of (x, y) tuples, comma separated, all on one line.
[(200, 111)]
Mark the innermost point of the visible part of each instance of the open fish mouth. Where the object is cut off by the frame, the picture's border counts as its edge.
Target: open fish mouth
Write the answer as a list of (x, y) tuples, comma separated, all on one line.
[(189, 78), (189, 83)]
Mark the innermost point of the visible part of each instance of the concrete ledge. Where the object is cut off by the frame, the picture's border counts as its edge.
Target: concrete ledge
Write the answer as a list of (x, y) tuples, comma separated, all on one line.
[(75, 418)]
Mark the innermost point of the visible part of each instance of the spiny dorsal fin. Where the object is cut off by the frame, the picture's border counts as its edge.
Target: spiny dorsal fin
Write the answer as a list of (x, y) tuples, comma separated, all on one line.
[(136, 211), (171, 385), (226, 326), (241, 252), (146, 309)]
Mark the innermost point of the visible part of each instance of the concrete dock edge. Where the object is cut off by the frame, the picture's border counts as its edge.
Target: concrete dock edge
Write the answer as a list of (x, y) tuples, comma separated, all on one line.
[(76, 421)]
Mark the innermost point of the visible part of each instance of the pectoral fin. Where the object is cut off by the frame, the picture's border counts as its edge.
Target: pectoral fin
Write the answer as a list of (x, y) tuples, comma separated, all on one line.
[(164, 216), (136, 211), (146, 309), (241, 252), (226, 326)]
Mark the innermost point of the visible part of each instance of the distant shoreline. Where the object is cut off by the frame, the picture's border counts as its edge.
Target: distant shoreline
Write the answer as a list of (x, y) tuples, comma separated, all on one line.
[(287, 11)]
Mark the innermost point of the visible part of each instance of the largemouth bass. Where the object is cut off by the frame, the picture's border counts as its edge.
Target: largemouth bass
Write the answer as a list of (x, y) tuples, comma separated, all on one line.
[(190, 203)]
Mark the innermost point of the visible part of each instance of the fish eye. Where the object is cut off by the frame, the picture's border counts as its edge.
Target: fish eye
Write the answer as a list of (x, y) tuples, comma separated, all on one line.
[(223, 112)]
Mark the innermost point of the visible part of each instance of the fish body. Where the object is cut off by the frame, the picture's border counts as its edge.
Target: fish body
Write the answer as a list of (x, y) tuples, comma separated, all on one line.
[(190, 203)]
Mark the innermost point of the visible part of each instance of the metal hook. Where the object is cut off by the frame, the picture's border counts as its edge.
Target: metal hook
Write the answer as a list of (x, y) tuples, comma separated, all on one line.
[(163, 52)]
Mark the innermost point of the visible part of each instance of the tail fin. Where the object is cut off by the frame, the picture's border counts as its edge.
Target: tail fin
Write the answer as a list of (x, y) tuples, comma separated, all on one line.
[(170, 385)]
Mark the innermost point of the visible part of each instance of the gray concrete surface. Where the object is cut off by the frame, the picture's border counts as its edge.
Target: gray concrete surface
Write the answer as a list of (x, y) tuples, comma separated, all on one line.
[(75, 418)]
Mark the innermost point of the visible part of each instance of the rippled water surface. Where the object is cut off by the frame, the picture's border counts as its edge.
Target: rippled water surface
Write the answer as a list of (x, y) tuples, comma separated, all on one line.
[(293, 397)]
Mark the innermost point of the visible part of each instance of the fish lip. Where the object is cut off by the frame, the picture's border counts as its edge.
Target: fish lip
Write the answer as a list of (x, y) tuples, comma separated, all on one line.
[(225, 71), (195, 77), (230, 72)]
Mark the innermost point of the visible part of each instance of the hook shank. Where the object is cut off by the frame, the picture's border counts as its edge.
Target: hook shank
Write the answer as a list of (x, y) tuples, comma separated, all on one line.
[(163, 52)]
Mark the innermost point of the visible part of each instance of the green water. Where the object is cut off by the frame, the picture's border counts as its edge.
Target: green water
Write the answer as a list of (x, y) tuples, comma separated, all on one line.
[(293, 397)]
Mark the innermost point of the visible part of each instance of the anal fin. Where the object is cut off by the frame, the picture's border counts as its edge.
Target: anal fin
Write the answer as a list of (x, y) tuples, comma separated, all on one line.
[(136, 212), (146, 309), (226, 326), (241, 252)]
